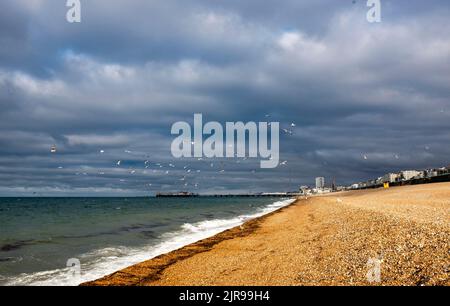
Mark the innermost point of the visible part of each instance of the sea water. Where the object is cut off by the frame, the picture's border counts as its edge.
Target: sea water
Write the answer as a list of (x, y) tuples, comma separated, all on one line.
[(38, 236)]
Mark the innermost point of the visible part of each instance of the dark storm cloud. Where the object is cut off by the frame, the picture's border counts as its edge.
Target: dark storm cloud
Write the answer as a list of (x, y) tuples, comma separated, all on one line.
[(109, 89)]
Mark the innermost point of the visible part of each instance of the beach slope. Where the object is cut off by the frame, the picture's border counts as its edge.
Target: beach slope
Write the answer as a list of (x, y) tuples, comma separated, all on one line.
[(338, 239)]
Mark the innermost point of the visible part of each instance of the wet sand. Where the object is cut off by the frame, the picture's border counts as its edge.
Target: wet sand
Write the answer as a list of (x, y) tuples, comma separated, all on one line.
[(323, 240)]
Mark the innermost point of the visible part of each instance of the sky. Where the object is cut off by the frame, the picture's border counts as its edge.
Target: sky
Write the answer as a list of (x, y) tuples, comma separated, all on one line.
[(365, 98)]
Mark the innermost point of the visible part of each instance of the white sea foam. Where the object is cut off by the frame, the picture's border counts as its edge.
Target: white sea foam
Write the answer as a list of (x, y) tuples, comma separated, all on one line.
[(105, 261)]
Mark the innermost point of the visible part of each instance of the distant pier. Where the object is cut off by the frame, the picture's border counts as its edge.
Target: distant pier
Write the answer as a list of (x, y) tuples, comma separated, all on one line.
[(246, 195)]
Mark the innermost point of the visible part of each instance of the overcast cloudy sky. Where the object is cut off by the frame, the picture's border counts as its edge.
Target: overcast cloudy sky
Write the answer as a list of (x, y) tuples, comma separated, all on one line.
[(366, 98)]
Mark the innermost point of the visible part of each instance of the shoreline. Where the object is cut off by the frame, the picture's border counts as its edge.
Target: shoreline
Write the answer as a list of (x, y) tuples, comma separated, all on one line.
[(150, 270), (323, 240)]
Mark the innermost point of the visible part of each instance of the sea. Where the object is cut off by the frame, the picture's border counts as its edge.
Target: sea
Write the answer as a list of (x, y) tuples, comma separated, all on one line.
[(68, 241)]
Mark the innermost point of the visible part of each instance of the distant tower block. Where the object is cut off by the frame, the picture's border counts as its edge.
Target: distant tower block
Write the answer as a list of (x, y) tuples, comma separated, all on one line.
[(320, 182)]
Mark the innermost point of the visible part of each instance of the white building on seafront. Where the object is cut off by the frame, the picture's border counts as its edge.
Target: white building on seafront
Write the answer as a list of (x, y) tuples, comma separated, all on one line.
[(390, 177), (320, 182), (409, 174)]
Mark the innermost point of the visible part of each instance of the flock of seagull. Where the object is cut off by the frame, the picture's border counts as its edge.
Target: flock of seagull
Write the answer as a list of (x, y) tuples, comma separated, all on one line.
[(166, 168)]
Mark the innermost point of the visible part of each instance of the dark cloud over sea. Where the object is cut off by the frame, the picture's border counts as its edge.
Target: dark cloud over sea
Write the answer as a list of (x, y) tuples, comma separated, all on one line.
[(366, 98)]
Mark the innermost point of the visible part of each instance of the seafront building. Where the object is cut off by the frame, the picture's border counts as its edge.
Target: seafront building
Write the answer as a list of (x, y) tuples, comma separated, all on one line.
[(320, 182), (405, 177), (409, 174), (390, 178)]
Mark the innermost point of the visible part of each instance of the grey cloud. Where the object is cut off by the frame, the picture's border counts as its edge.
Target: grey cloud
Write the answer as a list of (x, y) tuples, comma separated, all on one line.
[(120, 79)]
